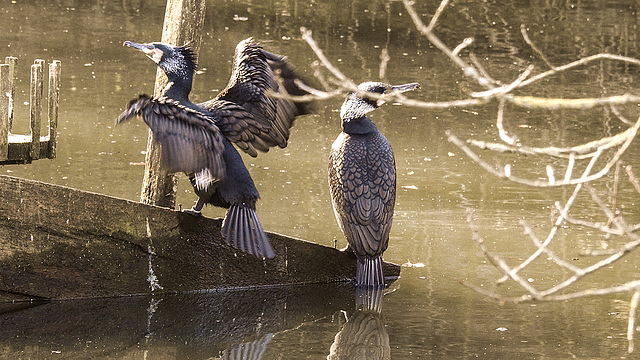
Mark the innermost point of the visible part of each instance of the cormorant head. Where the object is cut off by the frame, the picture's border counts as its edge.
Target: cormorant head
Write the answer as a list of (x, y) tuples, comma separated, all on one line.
[(178, 60), (358, 103)]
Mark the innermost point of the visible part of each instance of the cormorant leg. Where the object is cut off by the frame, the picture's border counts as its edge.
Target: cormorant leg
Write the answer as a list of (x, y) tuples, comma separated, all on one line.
[(197, 208)]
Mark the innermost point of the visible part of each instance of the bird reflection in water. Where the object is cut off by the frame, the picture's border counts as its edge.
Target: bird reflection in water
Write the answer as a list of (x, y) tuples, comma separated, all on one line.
[(248, 351), (363, 336)]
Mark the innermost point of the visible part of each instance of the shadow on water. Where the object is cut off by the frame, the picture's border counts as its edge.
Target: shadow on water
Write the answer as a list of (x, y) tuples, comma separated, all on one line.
[(194, 326)]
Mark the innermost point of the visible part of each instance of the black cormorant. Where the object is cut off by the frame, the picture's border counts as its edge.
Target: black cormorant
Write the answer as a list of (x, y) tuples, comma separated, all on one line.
[(197, 138), (362, 181)]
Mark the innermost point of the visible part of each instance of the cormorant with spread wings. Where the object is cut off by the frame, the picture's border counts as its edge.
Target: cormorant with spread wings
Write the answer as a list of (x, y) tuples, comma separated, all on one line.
[(196, 139)]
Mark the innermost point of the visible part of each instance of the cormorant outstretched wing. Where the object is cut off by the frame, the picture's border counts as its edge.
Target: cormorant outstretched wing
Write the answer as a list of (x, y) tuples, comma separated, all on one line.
[(240, 126), (252, 79), (191, 142)]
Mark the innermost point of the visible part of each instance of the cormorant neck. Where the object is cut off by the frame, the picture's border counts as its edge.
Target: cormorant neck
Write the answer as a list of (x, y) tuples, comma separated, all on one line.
[(354, 118), (177, 92), (179, 84), (361, 125)]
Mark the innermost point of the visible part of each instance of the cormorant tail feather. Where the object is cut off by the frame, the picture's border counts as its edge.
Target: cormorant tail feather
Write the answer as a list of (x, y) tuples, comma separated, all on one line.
[(242, 229), (369, 272)]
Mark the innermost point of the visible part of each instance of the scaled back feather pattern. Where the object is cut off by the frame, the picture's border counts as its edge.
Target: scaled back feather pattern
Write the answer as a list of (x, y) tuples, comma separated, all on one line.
[(362, 181)]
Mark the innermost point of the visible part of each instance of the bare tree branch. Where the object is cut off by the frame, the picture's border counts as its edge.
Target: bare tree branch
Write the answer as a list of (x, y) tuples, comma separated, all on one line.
[(578, 167)]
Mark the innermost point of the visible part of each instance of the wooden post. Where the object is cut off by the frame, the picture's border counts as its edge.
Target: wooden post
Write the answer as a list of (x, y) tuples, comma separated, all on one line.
[(12, 62), (183, 22), (54, 100), (35, 107), (4, 111)]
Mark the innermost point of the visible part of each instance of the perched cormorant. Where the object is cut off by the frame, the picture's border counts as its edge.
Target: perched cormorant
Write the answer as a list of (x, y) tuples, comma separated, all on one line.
[(197, 138), (362, 180)]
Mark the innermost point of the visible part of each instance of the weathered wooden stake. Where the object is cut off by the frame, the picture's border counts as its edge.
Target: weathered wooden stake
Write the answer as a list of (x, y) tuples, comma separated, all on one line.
[(54, 100), (22, 149), (183, 24), (12, 62), (4, 111), (35, 107)]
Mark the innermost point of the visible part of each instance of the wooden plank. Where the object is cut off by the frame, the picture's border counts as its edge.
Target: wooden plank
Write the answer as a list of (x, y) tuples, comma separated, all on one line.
[(183, 24), (5, 92), (35, 107), (13, 63), (60, 243), (53, 105)]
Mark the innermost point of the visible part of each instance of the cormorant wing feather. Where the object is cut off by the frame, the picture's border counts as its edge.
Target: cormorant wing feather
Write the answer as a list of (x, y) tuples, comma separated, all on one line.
[(239, 126), (251, 81), (191, 142)]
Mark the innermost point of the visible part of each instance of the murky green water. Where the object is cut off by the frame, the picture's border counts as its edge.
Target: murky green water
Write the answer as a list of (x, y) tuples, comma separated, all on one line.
[(427, 313)]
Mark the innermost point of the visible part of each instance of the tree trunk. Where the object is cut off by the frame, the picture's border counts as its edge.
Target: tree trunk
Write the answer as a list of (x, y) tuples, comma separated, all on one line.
[(183, 22)]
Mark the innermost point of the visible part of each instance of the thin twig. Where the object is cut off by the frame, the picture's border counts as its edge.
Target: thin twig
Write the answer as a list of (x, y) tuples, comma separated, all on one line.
[(505, 88), (496, 296), (499, 124), (532, 102), (619, 115), (498, 262), (483, 71), (594, 225), (632, 178), (570, 165), (525, 35), (384, 61), (594, 292), (466, 42), (427, 31), (614, 193), (629, 286), (580, 62), (307, 36), (558, 260)]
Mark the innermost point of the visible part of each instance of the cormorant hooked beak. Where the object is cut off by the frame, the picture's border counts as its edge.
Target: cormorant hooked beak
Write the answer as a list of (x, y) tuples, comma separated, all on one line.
[(150, 50), (405, 87), (398, 89)]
